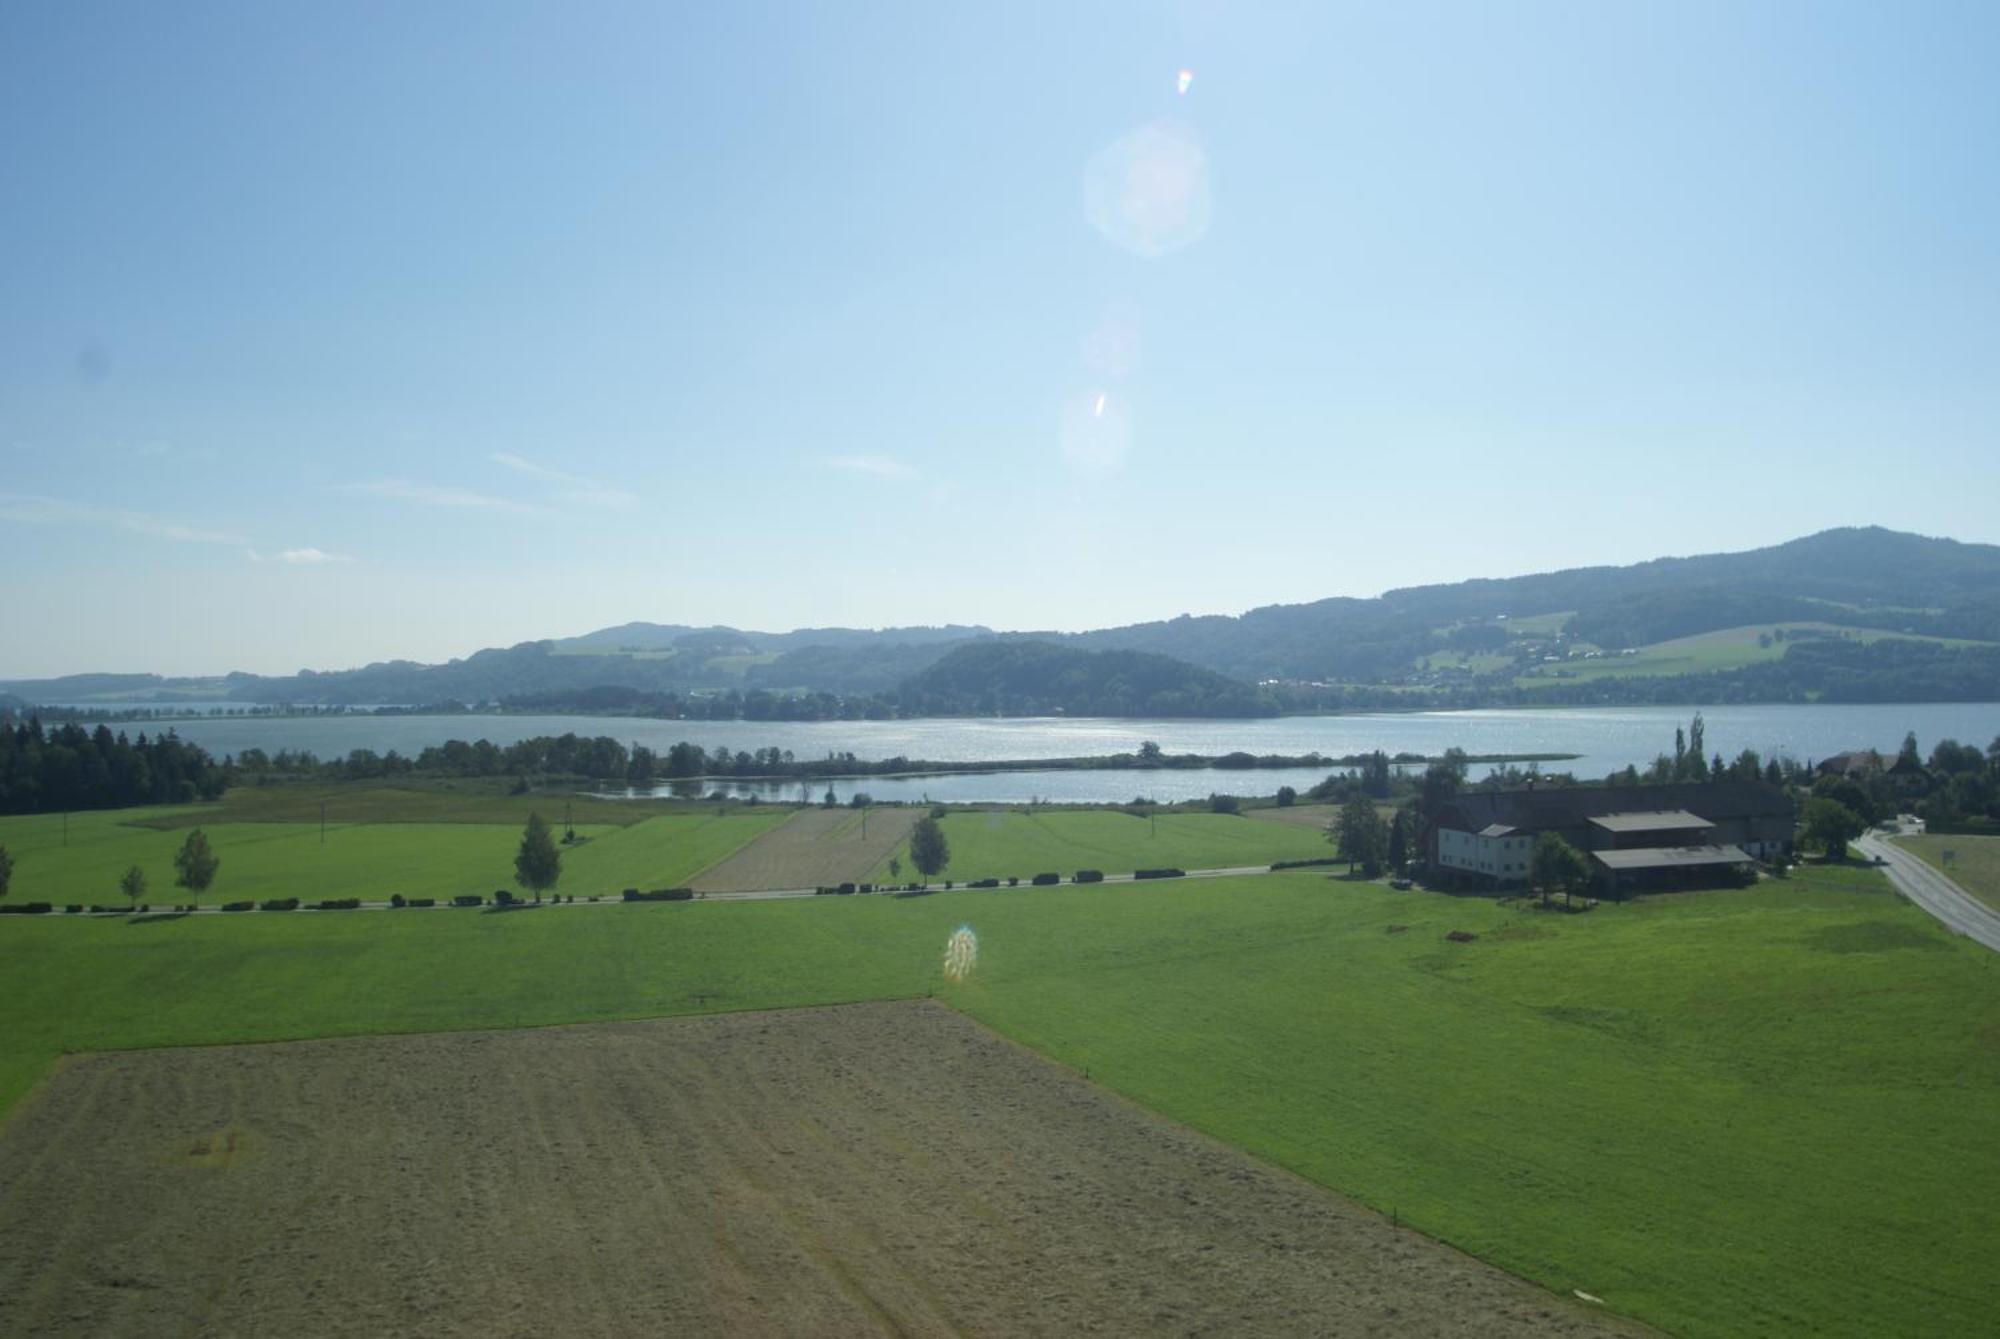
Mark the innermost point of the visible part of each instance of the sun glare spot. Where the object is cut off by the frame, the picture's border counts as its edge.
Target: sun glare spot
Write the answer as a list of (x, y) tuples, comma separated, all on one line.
[(1182, 80), (1097, 410)]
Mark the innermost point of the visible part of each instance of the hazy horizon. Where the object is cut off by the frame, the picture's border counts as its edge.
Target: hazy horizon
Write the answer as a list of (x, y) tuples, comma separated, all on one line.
[(380, 333)]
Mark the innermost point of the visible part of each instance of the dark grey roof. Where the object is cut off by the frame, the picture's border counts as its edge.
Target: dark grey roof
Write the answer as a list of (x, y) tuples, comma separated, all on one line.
[(1651, 820), (1670, 857), (1549, 806)]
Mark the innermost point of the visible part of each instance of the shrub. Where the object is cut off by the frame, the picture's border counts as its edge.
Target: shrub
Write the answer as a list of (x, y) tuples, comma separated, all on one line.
[(1090, 876), (26, 908), (664, 895), (340, 904), (1013, 882), (1287, 797), (1163, 873), (397, 900), (73, 908), (502, 898), (468, 900), (1301, 864), (937, 811), (279, 904), (846, 887), (1044, 880), (239, 906), (420, 902), (1223, 804), (983, 883)]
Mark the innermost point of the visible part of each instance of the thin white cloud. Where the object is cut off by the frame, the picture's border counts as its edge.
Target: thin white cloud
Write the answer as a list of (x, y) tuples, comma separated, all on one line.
[(435, 495), (522, 465), (882, 467), (578, 490), (34, 509), (305, 557)]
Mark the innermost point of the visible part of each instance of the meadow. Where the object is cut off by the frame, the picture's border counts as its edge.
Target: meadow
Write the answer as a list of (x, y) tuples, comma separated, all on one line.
[(1764, 1111), (1722, 649), (362, 851), (1974, 864), (1017, 843)]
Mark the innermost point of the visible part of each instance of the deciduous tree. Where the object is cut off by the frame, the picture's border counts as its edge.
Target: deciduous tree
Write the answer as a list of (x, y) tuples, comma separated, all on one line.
[(1830, 825), (1557, 864), (132, 883), (1360, 836), (196, 862)]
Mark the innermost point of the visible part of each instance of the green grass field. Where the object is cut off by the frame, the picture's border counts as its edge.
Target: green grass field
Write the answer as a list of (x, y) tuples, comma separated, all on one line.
[(1974, 866), (266, 858), (1723, 649), (1759, 1112), (1004, 843)]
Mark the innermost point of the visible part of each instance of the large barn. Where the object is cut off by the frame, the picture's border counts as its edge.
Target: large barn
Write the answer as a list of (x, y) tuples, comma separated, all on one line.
[(1635, 836)]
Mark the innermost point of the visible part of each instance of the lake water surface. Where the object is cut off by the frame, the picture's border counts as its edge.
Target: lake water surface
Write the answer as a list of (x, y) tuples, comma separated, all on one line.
[(1605, 738)]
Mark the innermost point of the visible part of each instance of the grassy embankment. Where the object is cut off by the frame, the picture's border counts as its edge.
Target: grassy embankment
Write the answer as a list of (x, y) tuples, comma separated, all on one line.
[(378, 841), (1015, 843), (1975, 863), (1732, 1113)]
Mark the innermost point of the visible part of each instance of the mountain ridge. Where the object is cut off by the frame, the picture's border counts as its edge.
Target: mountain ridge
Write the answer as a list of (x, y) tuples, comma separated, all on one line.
[(1864, 583)]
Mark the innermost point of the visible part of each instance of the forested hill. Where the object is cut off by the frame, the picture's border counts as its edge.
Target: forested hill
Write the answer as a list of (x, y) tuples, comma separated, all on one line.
[(1866, 579), (1718, 627), (1029, 678)]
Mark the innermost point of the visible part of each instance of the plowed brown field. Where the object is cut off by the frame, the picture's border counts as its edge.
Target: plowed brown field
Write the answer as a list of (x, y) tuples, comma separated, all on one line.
[(876, 1169), (813, 848)]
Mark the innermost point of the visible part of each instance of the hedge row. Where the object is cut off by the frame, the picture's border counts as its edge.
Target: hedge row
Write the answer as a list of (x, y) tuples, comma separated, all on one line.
[(1163, 873), (660, 895), (1302, 864)]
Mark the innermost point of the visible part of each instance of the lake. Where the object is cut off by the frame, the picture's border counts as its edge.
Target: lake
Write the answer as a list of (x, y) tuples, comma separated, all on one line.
[(1605, 738)]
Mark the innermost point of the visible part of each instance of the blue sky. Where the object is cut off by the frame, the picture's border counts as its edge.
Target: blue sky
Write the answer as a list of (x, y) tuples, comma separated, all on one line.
[(332, 333)]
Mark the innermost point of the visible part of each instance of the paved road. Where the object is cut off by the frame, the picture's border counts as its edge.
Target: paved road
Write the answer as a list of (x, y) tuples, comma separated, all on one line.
[(1931, 890)]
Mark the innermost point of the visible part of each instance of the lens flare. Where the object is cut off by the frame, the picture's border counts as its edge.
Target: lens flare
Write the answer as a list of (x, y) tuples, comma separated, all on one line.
[(961, 953), (1182, 80), (1148, 191), (1096, 433)]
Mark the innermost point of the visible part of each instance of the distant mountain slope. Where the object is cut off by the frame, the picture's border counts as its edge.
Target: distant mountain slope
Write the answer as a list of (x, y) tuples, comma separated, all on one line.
[(1868, 578), (1479, 641), (1026, 678)]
